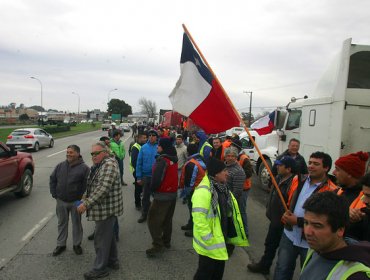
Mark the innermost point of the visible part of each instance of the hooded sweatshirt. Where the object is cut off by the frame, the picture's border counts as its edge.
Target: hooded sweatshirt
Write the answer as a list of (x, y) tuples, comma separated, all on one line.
[(320, 266), (207, 149)]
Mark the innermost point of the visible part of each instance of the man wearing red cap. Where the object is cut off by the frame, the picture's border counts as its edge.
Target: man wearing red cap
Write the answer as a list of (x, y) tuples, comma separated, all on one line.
[(348, 170)]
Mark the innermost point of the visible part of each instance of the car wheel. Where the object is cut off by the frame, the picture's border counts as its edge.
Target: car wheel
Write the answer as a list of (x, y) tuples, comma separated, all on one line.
[(51, 143), (36, 147), (263, 174), (25, 184)]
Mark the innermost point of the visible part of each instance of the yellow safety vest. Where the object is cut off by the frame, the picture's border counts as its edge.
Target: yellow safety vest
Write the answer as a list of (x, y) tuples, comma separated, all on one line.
[(201, 151), (342, 270), (208, 239), (137, 146)]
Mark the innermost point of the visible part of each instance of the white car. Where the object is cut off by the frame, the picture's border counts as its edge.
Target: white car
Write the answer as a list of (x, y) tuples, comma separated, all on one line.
[(29, 138)]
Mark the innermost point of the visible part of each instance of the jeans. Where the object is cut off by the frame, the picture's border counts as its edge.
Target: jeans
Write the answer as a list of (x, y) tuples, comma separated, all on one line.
[(271, 244), (287, 256), (138, 191)]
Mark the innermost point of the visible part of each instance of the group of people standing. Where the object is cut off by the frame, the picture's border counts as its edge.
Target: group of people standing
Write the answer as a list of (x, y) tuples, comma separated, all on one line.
[(214, 179)]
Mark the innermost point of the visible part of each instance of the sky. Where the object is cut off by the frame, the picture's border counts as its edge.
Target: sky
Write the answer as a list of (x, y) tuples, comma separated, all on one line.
[(275, 49)]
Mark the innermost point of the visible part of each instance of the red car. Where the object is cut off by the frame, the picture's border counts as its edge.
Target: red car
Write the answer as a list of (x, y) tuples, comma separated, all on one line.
[(16, 171)]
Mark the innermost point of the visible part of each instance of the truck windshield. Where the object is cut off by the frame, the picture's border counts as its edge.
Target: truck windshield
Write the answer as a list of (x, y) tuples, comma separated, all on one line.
[(359, 70), (294, 119)]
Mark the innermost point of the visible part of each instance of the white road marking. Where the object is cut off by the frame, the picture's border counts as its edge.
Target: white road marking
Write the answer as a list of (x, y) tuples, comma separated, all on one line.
[(57, 153), (42, 222)]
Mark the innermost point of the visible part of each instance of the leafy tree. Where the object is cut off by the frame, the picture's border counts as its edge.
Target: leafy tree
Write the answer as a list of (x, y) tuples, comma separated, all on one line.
[(245, 117), (148, 107), (117, 106), (24, 117), (37, 108)]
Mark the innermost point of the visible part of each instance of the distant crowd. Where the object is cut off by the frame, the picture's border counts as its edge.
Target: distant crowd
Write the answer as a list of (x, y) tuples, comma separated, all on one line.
[(324, 222)]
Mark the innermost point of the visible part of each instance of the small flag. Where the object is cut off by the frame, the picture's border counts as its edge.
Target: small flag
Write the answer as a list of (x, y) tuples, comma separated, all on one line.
[(264, 125)]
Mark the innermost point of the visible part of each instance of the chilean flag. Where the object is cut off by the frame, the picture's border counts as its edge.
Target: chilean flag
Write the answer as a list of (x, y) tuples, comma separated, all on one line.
[(199, 96), (264, 125)]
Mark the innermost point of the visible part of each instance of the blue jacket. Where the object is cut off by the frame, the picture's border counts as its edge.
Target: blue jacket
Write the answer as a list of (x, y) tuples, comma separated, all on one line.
[(207, 148), (145, 160)]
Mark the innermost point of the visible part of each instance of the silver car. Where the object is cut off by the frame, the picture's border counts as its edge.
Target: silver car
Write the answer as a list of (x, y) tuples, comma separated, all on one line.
[(29, 138)]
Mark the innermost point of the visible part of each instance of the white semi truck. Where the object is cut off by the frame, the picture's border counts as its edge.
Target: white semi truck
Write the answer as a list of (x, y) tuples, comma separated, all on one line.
[(336, 120)]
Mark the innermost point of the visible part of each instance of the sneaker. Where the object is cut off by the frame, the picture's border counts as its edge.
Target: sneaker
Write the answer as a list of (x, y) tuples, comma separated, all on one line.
[(258, 268), (142, 219), (95, 274), (77, 249), (189, 233), (58, 250), (153, 252), (187, 227)]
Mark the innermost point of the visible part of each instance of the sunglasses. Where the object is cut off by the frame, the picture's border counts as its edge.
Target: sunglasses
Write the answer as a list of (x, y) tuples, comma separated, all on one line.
[(93, 154)]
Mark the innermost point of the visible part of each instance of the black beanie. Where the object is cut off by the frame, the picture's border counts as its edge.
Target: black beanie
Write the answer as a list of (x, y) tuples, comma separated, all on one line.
[(215, 166), (165, 143)]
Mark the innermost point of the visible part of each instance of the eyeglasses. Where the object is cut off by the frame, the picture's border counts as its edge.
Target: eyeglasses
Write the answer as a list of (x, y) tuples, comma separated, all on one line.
[(93, 154)]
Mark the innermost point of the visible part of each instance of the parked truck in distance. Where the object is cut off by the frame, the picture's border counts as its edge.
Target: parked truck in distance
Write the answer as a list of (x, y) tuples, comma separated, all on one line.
[(335, 120)]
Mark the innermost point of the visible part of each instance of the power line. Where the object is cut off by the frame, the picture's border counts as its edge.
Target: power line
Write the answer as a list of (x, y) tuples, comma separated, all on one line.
[(285, 86)]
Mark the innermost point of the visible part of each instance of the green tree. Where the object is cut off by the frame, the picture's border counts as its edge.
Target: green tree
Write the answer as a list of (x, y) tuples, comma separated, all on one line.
[(37, 108), (117, 106), (24, 117), (245, 117)]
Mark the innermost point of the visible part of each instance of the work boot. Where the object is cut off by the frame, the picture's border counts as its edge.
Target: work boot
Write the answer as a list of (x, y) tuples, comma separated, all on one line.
[(258, 268), (58, 250), (77, 249), (91, 236), (187, 227), (95, 274), (142, 219), (154, 252), (189, 233)]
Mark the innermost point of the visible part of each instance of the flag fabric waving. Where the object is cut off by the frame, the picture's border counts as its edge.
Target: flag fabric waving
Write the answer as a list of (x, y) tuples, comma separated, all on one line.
[(199, 95), (264, 125)]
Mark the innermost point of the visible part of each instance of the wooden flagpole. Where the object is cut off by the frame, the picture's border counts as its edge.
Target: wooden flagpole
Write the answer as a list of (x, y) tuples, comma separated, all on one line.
[(240, 119)]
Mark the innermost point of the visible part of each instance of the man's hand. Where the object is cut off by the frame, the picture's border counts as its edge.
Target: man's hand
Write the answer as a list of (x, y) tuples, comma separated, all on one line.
[(81, 208), (289, 218), (355, 215)]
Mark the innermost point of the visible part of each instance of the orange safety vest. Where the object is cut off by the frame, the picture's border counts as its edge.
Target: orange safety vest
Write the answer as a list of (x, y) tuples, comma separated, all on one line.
[(200, 175), (227, 144), (357, 203), (248, 182), (327, 186)]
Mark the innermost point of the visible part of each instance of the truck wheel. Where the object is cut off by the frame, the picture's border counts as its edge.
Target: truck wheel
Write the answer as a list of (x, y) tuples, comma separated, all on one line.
[(36, 147), (51, 143), (25, 184), (263, 174)]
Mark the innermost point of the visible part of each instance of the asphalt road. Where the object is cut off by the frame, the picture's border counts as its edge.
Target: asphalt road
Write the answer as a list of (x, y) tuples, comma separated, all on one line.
[(28, 230)]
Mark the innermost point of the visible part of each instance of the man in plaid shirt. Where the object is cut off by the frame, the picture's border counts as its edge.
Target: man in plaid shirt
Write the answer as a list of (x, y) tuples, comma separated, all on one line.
[(103, 202)]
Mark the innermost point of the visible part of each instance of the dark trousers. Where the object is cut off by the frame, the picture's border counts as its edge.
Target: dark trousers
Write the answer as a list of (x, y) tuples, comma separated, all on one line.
[(120, 166), (271, 244), (145, 201), (105, 244), (160, 221), (137, 192), (190, 206), (209, 269)]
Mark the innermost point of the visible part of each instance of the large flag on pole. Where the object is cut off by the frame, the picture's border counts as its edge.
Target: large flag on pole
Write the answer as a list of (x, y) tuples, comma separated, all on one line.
[(199, 95), (264, 125)]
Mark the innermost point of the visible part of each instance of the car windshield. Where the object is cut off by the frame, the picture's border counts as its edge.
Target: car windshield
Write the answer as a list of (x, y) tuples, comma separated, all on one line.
[(20, 132)]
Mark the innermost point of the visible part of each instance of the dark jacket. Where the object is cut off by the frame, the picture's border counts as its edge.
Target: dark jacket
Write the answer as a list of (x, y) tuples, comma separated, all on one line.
[(319, 266), (274, 208), (300, 161), (68, 181), (235, 179)]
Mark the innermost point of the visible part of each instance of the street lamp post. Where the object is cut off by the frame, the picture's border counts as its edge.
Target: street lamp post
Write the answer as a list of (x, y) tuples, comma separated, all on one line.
[(40, 86), (250, 93), (78, 112), (110, 93)]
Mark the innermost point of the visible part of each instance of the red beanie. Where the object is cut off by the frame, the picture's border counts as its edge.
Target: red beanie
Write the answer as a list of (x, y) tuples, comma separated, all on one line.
[(354, 164)]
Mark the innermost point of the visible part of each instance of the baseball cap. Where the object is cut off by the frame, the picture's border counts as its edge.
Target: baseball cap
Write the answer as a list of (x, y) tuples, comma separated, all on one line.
[(287, 161)]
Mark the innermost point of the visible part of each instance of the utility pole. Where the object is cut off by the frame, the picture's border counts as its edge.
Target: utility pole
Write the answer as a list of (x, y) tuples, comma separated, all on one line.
[(250, 93)]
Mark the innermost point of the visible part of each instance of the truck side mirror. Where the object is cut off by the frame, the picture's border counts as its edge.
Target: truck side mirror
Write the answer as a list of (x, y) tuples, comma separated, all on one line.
[(283, 137)]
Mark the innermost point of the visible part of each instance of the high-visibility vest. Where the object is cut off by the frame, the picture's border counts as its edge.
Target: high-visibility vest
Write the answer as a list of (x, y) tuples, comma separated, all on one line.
[(200, 174), (342, 270), (201, 151), (208, 239), (138, 147), (248, 182), (357, 203)]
